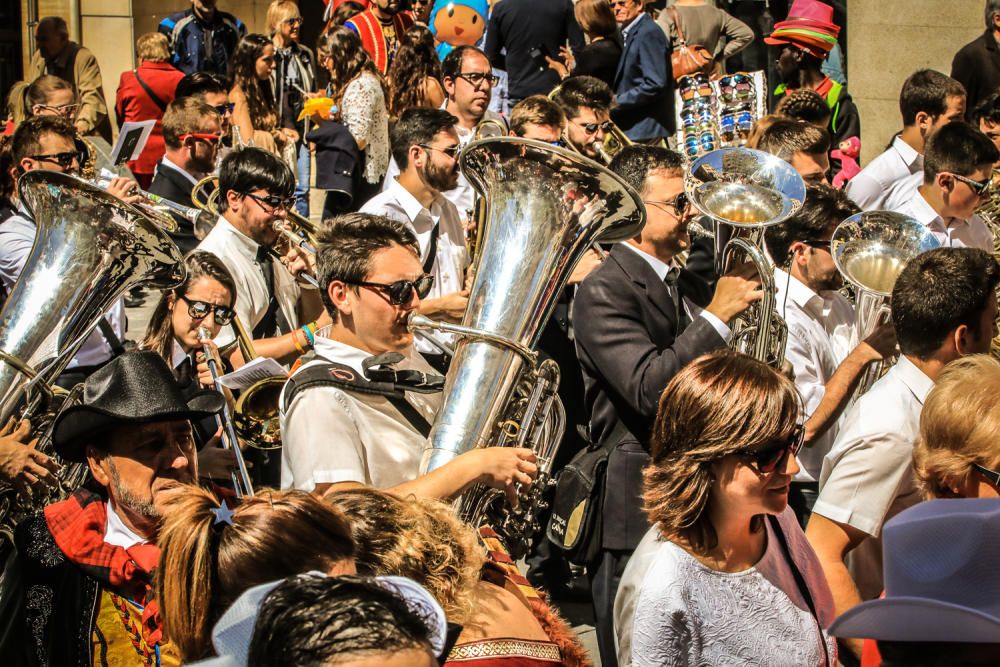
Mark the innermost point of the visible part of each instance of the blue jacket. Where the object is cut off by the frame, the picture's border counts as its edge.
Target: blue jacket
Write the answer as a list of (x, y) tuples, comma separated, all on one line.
[(644, 84), (186, 34)]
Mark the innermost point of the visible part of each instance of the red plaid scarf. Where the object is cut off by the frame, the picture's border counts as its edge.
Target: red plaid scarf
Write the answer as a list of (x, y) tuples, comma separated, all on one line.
[(77, 525)]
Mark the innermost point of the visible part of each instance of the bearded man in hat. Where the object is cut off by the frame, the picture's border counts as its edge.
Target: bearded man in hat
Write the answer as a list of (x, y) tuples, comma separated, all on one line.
[(804, 40), (76, 589)]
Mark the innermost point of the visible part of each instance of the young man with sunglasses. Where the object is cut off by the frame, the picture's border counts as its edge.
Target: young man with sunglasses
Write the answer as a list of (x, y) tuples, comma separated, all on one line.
[(192, 133), (586, 101), (425, 146), (826, 357), (360, 412), (256, 187), (944, 306), (958, 167), (639, 319)]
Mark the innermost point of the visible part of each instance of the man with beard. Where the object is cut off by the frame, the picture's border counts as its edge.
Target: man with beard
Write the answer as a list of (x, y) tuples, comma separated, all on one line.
[(822, 345), (586, 101), (425, 146), (192, 132), (76, 588), (381, 27), (202, 38)]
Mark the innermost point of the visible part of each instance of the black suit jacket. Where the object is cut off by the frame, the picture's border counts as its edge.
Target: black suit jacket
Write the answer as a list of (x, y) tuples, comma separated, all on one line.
[(173, 185), (627, 342)]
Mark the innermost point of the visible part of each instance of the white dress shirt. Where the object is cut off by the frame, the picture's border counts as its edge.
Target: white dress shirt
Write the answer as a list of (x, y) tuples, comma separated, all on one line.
[(452, 257), (239, 253), (117, 533), (971, 233), (867, 476), (331, 435), (889, 180), (821, 333), (17, 236), (165, 161)]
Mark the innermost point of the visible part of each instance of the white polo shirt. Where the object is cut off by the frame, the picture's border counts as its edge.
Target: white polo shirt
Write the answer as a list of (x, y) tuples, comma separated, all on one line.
[(821, 333), (331, 435), (888, 181), (971, 233), (867, 476), (239, 253)]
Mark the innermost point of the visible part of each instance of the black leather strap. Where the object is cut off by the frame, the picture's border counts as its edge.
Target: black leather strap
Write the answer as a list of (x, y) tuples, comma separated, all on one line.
[(432, 249), (149, 91)]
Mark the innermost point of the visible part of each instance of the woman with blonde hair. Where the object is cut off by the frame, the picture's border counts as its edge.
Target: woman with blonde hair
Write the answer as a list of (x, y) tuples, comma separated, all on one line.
[(424, 540), (210, 552), (958, 452), (725, 575)]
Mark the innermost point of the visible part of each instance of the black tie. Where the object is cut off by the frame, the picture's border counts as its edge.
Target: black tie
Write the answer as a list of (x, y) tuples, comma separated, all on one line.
[(670, 280), (273, 323)]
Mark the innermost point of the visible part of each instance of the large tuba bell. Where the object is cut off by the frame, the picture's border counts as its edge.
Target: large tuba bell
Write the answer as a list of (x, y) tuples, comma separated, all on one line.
[(90, 248), (870, 250), (745, 191), (546, 207)]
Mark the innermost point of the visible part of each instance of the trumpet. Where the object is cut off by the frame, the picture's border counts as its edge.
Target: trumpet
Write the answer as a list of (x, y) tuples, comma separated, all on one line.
[(241, 478), (159, 208)]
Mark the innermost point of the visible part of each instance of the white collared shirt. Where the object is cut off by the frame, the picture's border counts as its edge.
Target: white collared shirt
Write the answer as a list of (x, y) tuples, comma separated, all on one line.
[(867, 476), (452, 257), (117, 533), (331, 435), (821, 333), (693, 310), (165, 161), (239, 253), (889, 180), (971, 233), (17, 236)]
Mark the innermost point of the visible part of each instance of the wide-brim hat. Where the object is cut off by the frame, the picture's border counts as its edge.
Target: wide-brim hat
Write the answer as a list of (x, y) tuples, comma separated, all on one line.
[(135, 388), (941, 579), (809, 26)]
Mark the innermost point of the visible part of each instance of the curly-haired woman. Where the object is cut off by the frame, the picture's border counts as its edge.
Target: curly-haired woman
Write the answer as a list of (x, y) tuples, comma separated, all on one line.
[(415, 74), (255, 110)]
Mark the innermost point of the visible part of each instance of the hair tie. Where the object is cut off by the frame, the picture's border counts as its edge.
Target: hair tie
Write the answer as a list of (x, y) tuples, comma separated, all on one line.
[(222, 514)]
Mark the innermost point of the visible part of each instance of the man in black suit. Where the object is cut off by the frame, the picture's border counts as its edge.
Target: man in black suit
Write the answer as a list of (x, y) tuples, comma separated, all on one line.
[(639, 319), (644, 83), (192, 131)]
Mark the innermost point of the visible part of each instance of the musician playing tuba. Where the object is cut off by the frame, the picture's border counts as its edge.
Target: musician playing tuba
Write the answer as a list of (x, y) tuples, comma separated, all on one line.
[(368, 385)]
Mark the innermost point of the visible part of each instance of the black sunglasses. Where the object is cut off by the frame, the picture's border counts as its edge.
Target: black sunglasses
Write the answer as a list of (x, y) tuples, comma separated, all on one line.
[(272, 202), (476, 78), (680, 204), (451, 151), (64, 160), (592, 128), (992, 476), (400, 293), (769, 459), (981, 188), (816, 243), (224, 109), (199, 310)]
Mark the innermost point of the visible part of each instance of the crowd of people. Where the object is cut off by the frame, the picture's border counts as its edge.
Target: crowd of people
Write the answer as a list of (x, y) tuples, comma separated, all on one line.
[(835, 507)]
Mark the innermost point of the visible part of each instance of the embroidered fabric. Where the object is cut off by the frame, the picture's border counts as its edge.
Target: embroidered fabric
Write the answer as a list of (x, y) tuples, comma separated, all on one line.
[(366, 117), (504, 648)]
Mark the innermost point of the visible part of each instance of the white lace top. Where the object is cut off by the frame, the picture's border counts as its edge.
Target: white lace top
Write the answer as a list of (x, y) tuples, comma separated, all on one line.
[(366, 117), (690, 615)]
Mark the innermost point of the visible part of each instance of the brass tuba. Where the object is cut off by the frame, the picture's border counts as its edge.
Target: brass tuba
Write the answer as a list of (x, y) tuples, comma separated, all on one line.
[(870, 250), (546, 206), (747, 190), (90, 248)]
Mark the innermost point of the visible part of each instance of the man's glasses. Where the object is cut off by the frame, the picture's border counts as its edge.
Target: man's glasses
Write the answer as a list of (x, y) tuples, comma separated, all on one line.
[(64, 160), (400, 293), (295, 20), (679, 205), (62, 109), (272, 203), (450, 151), (225, 109), (771, 458), (476, 78), (816, 243), (199, 310), (592, 128), (980, 188), (200, 136), (992, 476)]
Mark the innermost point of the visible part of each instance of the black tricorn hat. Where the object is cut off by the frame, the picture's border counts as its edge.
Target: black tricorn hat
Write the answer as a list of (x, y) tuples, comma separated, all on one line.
[(135, 388)]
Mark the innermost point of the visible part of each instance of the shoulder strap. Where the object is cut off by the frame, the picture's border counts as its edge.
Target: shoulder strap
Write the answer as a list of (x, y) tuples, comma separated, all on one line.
[(149, 91), (677, 25), (114, 342), (330, 374), (432, 249)]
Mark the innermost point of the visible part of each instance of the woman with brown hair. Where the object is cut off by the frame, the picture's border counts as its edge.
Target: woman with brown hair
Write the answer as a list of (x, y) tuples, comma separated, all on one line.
[(422, 539), (255, 110), (599, 58), (415, 73), (725, 575), (210, 553)]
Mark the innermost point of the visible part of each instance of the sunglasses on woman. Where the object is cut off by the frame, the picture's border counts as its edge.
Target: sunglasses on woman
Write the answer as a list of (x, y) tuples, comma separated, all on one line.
[(992, 476), (771, 458), (400, 293), (199, 310)]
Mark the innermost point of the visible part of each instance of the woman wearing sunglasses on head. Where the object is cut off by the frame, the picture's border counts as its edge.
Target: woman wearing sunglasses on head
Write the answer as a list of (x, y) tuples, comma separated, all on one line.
[(725, 575)]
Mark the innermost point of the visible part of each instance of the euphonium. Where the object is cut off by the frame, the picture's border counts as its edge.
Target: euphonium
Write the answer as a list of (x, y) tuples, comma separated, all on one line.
[(90, 248), (748, 191), (870, 250), (546, 206), (256, 413)]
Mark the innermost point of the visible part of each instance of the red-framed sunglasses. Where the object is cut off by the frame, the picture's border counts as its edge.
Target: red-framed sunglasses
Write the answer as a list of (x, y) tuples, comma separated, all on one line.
[(199, 136)]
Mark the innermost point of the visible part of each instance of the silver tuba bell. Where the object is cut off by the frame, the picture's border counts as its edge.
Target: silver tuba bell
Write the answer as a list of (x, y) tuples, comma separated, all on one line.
[(745, 191), (546, 206), (870, 250)]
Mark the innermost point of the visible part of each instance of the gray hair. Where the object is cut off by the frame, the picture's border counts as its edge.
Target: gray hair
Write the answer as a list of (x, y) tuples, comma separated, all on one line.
[(992, 7)]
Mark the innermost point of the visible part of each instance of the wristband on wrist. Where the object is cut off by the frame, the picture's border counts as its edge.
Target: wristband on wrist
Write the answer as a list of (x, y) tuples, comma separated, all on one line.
[(310, 338), (295, 341)]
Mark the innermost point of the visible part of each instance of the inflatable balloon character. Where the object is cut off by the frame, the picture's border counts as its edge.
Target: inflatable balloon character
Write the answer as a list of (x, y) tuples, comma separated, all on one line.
[(457, 23)]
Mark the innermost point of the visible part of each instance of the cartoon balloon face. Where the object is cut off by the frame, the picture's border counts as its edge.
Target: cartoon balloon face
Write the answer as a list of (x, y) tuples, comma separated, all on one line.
[(458, 22)]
